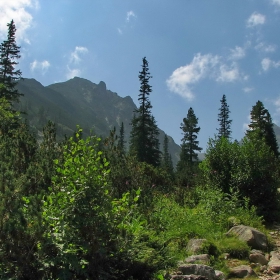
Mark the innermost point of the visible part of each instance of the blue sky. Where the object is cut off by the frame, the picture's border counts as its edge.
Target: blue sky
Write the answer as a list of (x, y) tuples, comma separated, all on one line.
[(197, 50)]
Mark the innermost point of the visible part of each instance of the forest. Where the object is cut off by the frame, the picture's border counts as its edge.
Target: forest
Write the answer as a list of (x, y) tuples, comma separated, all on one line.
[(89, 208)]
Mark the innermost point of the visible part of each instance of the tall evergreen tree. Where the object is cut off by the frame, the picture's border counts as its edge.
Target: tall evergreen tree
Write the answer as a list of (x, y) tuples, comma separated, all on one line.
[(189, 140), (144, 143), (189, 148), (261, 126), (223, 119), (167, 163), (121, 141), (9, 54)]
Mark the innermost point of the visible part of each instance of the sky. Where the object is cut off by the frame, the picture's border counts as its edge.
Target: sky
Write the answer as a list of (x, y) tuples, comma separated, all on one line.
[(197, 51)]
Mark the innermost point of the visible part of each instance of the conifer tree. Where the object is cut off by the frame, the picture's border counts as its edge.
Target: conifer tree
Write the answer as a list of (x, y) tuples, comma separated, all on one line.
[(9, 54), (261, 126), (189, 140), (121, 141), (166, 157), (144, 143), (189, 148), (223, 118)]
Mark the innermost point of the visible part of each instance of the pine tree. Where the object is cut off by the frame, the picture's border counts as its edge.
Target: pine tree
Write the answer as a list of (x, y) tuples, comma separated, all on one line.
[(261, 126), (144, 143), (223, 118), (9, 53)]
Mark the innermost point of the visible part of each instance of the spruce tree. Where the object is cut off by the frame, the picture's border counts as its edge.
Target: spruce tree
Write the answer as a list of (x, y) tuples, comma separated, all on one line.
[(189, 148), (144, 143), (167, 163), (9, 54), (223, 119), (261, 127), (121, 141)]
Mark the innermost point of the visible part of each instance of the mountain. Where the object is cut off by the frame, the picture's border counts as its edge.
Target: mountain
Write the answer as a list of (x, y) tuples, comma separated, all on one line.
[(79, 102)]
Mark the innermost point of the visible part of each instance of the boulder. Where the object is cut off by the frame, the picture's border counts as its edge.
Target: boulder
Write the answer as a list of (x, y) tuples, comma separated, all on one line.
[(188, 277), (274, 263), (242, 271), (253, 237), (195, 245), (219, 275), (198, 269), (202, 259), (257, 257)]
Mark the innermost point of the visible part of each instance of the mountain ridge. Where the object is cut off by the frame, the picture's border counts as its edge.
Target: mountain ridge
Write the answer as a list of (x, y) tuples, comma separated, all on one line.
[(79, 101)]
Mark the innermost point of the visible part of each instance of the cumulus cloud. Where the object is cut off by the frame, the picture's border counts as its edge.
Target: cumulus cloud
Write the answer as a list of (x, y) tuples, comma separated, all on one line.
[(18, 11), (75, 55), (276, 103), (246, 124), (275, 2), (268, 63), (228, 73), (248, 89), (130, 15), (255, 19), (209, 66), (266, 48), (184, 77), (71, 73), (42, 66), (237, 53)]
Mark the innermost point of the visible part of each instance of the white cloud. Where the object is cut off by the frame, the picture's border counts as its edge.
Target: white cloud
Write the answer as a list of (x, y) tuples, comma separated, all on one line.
[(75, 55), (73, 73), (183, 77), (129, 15), (276, 103), (237, 53), (268, 63), (255, 19), (16, 10), (43, 66), (246, 124), (276, 2), (209, 66), (266, 48), (228, 73), (120, 31), (248, 89)]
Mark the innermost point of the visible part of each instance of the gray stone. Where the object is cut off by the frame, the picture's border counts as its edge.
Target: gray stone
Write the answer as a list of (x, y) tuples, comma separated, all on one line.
[(253, 237), (258, 258), (202, 259), (198, 269), (188, 277), (219, 275), (195, 245), (242, 271), (274, 263)]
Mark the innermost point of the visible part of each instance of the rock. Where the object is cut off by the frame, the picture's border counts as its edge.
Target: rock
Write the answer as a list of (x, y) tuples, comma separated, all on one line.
[(253, 237), (188, 277), (258, 258), (202, 259), (195, 245), (242, 271), (274, 263), (198, 269), (219, 275)]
